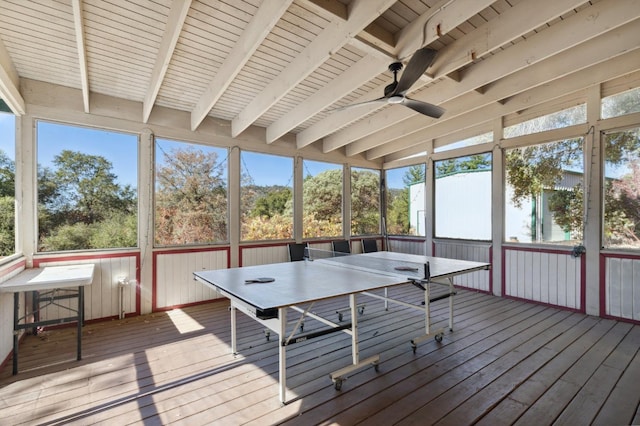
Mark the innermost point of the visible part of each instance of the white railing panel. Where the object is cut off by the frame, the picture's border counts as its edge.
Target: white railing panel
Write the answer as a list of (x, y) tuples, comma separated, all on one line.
[(550, 277)]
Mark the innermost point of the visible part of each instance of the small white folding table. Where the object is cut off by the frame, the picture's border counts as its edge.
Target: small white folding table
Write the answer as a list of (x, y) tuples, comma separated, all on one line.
[(49, 285)]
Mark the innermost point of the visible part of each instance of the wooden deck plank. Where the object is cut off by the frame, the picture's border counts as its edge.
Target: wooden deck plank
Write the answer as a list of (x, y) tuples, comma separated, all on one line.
[(563, 377), (506, 362), (505, 357), (623, 402), (412, 372), (513, 368), (358, 386)]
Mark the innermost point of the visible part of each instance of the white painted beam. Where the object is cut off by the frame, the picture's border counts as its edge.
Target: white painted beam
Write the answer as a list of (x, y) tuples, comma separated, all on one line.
[(78, 25), (10, 83), (482, 40), (265, 18), (576, 29), (536, 85), (330, 40), (175, 22), (337, 121), (443, 17), (365, 69)]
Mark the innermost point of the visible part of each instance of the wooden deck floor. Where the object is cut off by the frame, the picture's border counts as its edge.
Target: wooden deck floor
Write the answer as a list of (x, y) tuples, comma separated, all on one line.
[(507, 362)]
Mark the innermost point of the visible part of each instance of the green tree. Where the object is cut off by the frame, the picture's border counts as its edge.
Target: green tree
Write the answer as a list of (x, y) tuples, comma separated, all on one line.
[(322, 195), (7, 205), (275, 202), (398, 222), (191, 198), (398, 212), (7, 225), (88, 189), (365, 202), (322, 211), (533, 168), (77, 197), (463, 164), (414, 174), (7, 175)]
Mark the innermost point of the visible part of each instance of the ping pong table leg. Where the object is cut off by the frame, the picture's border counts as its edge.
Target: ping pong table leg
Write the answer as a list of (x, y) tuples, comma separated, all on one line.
[(282, 354), (427, 310), (355, 350), (232, 310), (452, 292)]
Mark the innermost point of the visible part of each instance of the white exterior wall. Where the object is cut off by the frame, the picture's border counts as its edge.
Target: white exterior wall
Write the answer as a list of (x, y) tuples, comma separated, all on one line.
[(463, 206)]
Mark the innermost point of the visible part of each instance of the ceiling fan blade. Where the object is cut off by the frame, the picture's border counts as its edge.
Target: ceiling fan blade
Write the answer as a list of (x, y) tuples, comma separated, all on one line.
[(423, 108), (371, 102), (418, 64)]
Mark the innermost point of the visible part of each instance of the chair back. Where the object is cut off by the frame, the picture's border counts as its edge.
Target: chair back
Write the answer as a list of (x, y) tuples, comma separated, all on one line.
[(297, 251), (369, 245), (341, 246)]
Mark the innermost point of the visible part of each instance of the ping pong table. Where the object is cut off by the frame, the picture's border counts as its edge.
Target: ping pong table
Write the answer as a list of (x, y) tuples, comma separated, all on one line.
[(267, 292)]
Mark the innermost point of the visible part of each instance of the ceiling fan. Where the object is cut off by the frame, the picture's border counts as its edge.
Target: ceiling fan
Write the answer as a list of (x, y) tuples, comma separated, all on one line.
[(394, 93)]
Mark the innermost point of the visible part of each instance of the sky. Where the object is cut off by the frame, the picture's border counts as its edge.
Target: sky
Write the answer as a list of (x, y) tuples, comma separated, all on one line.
[(121, 150), (7, 134)]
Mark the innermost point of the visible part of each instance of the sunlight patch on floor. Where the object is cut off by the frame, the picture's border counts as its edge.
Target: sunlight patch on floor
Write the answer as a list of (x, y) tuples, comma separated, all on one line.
[(183, 322)]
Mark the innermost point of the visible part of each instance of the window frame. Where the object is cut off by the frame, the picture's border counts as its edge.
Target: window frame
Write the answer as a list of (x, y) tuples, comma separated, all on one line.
[(241, 237), (225, 158), (36, 194)]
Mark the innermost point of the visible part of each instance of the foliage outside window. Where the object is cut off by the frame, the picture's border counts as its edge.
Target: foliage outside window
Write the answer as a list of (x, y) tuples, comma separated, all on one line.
[(266, 197), (365, 201), (463, 197), (544, 193), (190, 193), (322, 199), (622, 189), (557, 120), (620, 104), (406, 200), (7, 185), (87, 196)]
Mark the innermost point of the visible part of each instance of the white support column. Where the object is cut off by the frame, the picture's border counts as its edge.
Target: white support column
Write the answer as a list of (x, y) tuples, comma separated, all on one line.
[(593, 195), (26, 184), (429, 201), (234, 205), (498, 183), (298, 206), (145, 218), (346, 202)]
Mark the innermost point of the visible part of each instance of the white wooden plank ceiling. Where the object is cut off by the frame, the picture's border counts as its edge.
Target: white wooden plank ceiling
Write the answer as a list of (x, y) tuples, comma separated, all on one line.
[(289, 65)]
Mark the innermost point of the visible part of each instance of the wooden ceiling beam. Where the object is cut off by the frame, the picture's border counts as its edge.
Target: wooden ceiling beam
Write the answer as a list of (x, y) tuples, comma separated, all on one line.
[(328, 125), (10, 83), (175, 22), (330, 40), (495, 70), (261, 24), (443, 17), (78, 24), (607, 66), (365, 69)]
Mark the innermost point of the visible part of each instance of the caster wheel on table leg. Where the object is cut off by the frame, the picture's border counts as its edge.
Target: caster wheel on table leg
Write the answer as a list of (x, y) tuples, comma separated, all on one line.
[(338, 384)]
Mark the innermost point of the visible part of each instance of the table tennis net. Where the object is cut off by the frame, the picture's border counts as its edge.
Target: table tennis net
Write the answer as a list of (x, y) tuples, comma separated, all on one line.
[(404, 268)]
